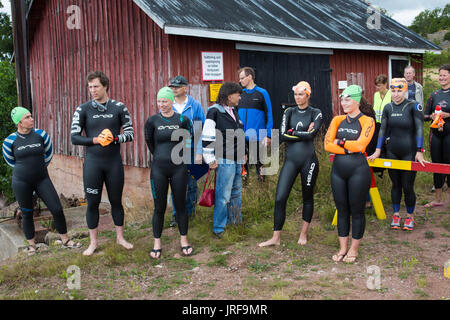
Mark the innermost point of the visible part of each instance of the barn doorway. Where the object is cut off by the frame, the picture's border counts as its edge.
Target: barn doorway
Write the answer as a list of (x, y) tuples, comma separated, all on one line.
[(279, 72)]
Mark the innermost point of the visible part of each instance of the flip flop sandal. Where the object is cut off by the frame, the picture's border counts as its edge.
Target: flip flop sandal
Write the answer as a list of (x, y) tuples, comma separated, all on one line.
[(156, 251), (433, 204), (349, 259), (31, 250), (338, 257), (186, 248), (74, 245)]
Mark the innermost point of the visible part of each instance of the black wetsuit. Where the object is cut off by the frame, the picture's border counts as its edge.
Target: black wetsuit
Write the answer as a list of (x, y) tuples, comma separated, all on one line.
[(102, 164), (300, 158), (439, 140), (350, 173), (404, 122), (29, 154), (158, 133)]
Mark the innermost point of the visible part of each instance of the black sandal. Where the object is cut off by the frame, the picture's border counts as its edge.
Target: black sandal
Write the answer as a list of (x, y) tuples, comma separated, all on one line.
[(74, 245), (186, 248), (156, 251)]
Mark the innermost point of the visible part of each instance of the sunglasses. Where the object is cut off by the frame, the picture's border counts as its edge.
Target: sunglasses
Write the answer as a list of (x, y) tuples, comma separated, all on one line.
[(400, 86)]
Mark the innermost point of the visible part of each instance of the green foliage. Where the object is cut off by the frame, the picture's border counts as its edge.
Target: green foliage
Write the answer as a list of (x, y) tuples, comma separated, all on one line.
[(430, 21), (433, 60), (6, 37), (8, 100), (447, 36)]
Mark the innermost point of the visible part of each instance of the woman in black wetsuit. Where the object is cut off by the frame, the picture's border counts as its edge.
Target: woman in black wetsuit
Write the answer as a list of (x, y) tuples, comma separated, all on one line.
[(158, 133), (29, 151), (347, 137), (440, 137), (402, 123), (298, 128)]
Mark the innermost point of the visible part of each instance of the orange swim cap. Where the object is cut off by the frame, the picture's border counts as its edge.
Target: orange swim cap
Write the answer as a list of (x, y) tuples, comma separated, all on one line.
[(303, 85), (399, 83)]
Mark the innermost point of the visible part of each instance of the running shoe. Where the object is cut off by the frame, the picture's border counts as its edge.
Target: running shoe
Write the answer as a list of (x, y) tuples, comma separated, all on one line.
[(409, 224), (395, 224)]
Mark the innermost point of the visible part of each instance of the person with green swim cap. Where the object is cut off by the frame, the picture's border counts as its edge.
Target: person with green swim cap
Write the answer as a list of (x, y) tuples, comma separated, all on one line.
[(29, 151), (164, 171), (347, 137)]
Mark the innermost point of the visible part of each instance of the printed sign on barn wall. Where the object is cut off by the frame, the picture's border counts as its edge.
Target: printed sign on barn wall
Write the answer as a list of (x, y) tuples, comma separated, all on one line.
[(212, 66)]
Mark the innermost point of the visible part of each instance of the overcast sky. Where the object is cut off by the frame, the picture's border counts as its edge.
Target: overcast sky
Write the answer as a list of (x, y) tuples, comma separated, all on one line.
[(404, 11)]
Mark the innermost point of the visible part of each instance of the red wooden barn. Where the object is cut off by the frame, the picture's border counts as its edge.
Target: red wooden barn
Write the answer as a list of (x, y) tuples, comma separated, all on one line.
[(141, 44)]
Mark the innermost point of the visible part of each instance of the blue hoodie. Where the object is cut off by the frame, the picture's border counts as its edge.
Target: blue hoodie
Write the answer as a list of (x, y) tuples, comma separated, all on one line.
[(194, 111), (255, 111)]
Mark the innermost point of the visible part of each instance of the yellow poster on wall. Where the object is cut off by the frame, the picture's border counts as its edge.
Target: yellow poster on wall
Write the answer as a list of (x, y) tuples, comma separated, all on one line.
[(214, 91)]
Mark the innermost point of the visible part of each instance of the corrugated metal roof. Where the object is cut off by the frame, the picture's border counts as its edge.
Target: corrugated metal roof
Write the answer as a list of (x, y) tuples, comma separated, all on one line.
[(340, 24)]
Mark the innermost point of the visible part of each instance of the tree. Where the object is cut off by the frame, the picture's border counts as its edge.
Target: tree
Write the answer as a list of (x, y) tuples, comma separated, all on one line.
[(431, 21), (6, 36), (8, 97)]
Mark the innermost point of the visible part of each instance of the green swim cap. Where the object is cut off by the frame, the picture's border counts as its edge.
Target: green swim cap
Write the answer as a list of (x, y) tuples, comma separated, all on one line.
[(166, 93), (353, 91), (17, 114)]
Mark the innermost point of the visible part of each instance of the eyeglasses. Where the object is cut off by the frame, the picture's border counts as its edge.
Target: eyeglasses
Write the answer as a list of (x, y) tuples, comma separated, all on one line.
[(399, 86)]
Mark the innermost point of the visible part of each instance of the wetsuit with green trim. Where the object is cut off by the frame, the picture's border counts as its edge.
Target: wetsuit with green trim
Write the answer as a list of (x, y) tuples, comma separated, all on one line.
[(102, 164), (29, 155), (300, 158), (165, 170), (439, 140), (350, 173), (404, 122)]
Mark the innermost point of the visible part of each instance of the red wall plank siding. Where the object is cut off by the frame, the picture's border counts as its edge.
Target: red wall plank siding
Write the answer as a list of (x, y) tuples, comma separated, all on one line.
[(370, 63), (115, 37), (185, 59)]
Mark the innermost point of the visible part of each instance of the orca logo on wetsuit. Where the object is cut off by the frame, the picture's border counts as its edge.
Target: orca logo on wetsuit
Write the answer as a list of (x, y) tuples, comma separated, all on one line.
[(396, 115), (36, 145), (171, 127), (348, 130), (96, 116)]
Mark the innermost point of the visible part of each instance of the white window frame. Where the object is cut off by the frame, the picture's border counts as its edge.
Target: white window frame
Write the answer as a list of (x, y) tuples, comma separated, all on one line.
[(393, 57)]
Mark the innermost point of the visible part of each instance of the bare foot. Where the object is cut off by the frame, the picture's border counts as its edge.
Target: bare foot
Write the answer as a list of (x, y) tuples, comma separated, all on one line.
[(302, 240), (89, 251), (271, 242), (125, 244)]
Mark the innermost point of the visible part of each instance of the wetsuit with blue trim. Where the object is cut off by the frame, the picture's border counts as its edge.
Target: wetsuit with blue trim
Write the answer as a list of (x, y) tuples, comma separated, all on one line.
[(29, 155), (164, 171), (300, 158), (350, 173), (102, 164), (439, 139), (404, 122), (255, 112)]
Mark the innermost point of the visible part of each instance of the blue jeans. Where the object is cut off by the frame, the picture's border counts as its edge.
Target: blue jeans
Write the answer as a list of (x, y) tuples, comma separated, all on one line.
[(191, 197), (227, 207)]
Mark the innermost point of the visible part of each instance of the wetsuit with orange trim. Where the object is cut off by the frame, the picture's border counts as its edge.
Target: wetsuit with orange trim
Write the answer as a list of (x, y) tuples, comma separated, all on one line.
[(404, 122), (300, 158), (350, 173)]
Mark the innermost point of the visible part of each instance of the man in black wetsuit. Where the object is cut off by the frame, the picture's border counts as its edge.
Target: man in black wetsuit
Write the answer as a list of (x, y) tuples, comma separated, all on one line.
[(102, 119)]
